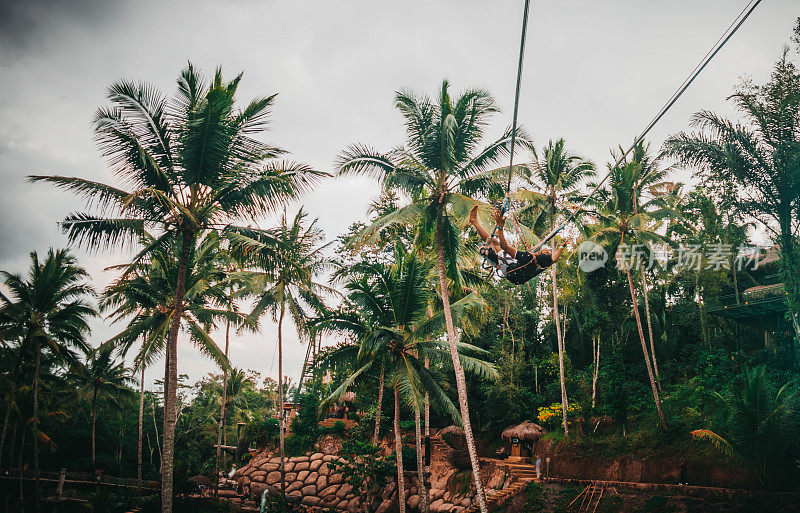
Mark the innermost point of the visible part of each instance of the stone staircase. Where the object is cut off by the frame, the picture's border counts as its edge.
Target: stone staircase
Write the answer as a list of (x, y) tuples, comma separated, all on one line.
[(521, 474), (438, 446)]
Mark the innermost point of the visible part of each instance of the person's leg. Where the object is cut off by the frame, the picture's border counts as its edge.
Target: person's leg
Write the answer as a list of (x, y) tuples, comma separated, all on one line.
[(508, 248), (473, 219)]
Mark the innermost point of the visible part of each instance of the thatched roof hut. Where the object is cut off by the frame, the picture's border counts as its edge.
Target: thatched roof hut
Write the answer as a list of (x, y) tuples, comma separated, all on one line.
[(348, 397), (527, 431)]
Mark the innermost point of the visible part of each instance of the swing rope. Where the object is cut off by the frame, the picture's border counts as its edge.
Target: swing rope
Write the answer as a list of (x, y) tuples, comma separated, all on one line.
[(709, 56), (505, 207), (724, 38)]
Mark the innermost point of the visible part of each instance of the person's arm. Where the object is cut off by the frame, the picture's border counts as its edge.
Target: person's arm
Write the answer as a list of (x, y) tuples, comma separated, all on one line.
[(500, 220), (473, 219), (558, 252)]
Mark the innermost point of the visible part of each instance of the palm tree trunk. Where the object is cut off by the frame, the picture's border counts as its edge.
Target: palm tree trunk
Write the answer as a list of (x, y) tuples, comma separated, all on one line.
[(645, 291), (7, 418), (421, 489), (171, 384), (35, 424), (560, 341), (596, 372), (379, 407), (223, 409), (141, 429), (644, 350), (398, 446), (94, 426), (461, 381), (19, 464), (281, 421), (427, 405)]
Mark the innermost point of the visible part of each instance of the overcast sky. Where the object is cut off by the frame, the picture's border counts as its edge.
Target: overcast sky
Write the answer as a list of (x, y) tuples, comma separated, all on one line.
[(595, 73)]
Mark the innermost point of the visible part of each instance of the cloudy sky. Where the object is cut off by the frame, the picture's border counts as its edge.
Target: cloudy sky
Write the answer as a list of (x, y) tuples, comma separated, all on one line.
[(596, 71)]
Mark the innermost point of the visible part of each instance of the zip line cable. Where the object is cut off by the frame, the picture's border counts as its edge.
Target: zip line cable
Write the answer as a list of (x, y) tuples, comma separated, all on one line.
[(730, 31)]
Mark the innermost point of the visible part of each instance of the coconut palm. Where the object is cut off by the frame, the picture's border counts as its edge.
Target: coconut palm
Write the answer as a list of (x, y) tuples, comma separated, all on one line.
[(649, 191), (440, 167), (99, 375), (757, 161), (191, 164), (49, 310), (144, 296), (285, 282), (398, 334), (559, 173), (621, 222)]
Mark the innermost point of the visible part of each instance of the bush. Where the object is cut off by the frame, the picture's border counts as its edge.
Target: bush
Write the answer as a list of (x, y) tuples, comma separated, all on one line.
[(262, 432), (409, 458)]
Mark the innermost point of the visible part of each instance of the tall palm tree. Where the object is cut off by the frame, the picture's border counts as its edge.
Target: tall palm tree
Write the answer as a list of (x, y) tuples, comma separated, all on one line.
[(286, 281), (649, 192), (757, 161), (399, 335), (99, 375), (559, 173), (192, 165), (620, 223), (49, 309), (440, 167), (144, 295)]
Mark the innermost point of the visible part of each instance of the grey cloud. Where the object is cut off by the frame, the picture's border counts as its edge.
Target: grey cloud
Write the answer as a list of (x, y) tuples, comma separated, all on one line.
[(24, 23), (595, 73)]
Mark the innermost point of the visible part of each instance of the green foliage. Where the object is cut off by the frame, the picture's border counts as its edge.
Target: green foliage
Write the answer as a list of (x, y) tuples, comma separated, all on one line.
[(261, 432), (534, 497), (409, 458), (365, 469)]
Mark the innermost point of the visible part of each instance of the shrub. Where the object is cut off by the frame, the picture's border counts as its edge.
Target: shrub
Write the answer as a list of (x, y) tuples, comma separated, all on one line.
[(409, 458), (262, 432)]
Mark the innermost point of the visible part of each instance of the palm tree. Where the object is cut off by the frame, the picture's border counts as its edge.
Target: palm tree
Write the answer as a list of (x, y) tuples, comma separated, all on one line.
[(399, 335), (756, 162), (758, 421), (192, 165), (649, 191), (622, 222), (145, 295), (439, 167), (286, 282), (49, 310), (559, 173), (99, 376)]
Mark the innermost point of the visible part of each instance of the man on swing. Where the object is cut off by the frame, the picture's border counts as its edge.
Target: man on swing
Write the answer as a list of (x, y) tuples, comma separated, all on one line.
[(516, 266)]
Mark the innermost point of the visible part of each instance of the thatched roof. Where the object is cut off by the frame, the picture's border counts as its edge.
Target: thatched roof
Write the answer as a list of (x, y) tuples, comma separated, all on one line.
[(527, 431), (201, 481), (347, 397)]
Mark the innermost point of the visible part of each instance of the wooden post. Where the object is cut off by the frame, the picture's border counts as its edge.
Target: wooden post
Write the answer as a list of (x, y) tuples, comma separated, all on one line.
[(60, 489)]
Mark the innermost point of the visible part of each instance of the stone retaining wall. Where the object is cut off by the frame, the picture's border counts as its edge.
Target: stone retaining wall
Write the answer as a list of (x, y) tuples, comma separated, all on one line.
[(311, 480)]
